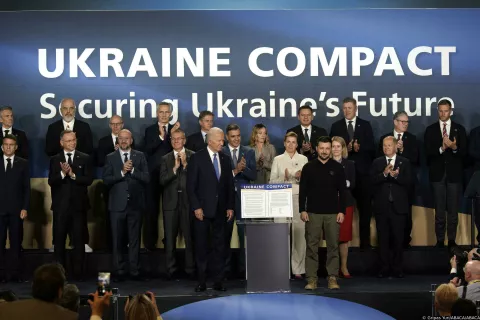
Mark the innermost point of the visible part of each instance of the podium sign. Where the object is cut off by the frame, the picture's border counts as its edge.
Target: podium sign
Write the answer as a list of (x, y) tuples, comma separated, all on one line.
[(266, 201)]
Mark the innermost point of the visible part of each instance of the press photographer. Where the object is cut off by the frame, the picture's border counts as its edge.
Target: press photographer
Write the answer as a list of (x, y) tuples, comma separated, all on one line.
[(458, 262), (471, 290)]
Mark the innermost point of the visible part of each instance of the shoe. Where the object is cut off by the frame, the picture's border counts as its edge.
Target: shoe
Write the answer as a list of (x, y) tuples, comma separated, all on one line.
[(219, 287), (88, 249), (451, 244), (382, 274), (332, 283), (311, 285), (399, 275), (201, 287), (344, 275), (440, 244), (297, 277)]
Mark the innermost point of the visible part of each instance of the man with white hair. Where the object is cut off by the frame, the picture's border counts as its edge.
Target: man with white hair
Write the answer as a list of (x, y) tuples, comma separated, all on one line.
[(472, 275)]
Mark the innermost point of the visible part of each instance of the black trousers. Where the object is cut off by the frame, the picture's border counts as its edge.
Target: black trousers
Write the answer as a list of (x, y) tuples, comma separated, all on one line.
[(407, 237), (363, 196), (202, 235), (446, 207), (153, 194), (174, 221), (14, 225), (108, 227), (132, 219), (390, 230), (70, 221), (241, 240)]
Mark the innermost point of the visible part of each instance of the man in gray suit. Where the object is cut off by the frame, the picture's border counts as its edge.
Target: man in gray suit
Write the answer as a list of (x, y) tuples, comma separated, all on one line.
[(126, 174), (173, 179)]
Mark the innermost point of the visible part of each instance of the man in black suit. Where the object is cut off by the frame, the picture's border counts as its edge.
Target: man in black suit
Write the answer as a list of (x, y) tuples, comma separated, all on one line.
[(358, 135), (391, 179), (6, 119), (126, 174), (474, 153), (15, 195), (157, 144), (198, 141), (71, 172), (446, 146), (176, 211), (307, 133), (211, 194), (407, 147)]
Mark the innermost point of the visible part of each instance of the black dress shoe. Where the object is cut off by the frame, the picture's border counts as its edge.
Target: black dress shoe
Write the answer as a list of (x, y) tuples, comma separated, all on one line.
[(440, 244), (399, 275), (201, 287), (219, 287), (451, 244), (382, 274)]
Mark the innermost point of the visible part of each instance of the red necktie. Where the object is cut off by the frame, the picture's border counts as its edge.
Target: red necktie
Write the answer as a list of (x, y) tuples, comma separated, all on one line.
[(399, 137), (444, 133)]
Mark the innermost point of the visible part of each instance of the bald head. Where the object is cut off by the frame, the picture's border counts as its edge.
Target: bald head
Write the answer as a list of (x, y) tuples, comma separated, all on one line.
[(472, 270), (116, 124), (67, 109), (125, 139), (215, 138)]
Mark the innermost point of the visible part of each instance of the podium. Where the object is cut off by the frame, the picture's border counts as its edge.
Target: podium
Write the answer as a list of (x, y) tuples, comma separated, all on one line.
[(267, 212)]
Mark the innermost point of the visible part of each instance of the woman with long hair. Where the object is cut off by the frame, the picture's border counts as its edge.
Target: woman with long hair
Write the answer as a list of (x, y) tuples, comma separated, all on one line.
[(264, 152)]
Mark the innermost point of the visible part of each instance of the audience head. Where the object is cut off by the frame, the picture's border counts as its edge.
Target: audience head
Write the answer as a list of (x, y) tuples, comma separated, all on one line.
[(70, 298), (305, 115), (463, 307), (140, 307), (444, 109), (339, 148), (445, 297), (67, 109), (7, 296), (6, 117), (474, 252), (125, 139), (215, 138), (178, 139), (234, 137), (68, 140), (349, 108), (400, 121), (290, 142), (48, 282), (389, 146), (324, 148), (205, 119), (116, 124), (472, 270), (164, 112), (9, 145), (259, 134)]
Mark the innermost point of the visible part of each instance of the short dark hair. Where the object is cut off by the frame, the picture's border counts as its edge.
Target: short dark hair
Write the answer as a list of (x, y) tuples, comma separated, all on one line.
[(304, 107), (70, 298), (64, 132), (350, 99), (3, 108), (464, 307), (324, 139), (205, 113), (48, 279), (165, 103), (11, 137), (398, 114), (444, 102), (231, 127)]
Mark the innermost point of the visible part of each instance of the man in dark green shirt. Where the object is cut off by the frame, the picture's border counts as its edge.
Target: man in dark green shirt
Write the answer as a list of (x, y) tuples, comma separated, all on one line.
[(322, 205)]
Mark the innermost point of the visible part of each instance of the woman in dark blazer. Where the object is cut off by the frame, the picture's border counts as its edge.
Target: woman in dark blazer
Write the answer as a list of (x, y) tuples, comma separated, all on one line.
[(340, 154)]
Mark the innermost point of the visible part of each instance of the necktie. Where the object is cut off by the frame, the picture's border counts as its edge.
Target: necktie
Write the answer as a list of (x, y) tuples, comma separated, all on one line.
[(399, 137), (9, 165), (215, 166), (205, 139), (307, 138), (6, 132), (69, 160), (125, 159), (164, 131), (444, 133), (390, 197), (181, 166), (116, 140), (234, 158), (350, 130), (68, 127)]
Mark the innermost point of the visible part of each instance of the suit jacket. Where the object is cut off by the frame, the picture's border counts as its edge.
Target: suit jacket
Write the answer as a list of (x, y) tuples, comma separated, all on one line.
[(83, 133), (130, 186), (172, 182), (68, 192), (14, 187), (399, 187), (196, 142), (316, 133), (410, 147), (156, 148), (349, 167), (105, 147), (22, 143), (474, 147), (35, 309), (364, 136), (448, 162), (204, 190)]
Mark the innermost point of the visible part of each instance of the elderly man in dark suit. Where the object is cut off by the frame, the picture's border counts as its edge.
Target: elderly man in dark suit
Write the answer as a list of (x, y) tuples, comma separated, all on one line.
[(126, 174), (446, 147), (198, 141), (358, 135), (391, 179), (71, 172), (15, 195), (176, 212), (307, 133), (407, 147), (6, 119), (211, 194)]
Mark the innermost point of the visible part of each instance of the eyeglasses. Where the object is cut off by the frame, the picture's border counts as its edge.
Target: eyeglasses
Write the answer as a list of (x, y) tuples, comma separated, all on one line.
[(116, 124), (403, 121), (177, 139)]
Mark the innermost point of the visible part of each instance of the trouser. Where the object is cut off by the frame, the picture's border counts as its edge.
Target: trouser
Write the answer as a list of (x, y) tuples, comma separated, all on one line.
[(299, 245), (14, 225), (363, 197), (241, 239), (313, 235), (390, 226), (108, 227), (446, 208), (154, 191), (132, 219)]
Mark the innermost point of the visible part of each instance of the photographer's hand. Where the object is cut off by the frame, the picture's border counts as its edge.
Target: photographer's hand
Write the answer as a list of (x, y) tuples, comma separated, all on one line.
[(453, 262), (455, 281), (99, 303)]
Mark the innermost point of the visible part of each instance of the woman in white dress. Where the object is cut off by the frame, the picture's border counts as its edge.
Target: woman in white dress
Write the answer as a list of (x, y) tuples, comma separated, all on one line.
[(287, 167)]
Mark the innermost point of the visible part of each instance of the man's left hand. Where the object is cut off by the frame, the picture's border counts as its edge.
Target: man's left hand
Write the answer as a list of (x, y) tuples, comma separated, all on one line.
[(23, 214), (340, 217), (229, 214)]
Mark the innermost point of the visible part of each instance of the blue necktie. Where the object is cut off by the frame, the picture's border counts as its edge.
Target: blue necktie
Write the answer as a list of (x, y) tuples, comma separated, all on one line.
[(215, 166)]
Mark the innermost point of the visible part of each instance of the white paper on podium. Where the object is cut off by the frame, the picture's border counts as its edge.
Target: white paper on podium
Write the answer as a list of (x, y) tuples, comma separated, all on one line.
[(267, 201)]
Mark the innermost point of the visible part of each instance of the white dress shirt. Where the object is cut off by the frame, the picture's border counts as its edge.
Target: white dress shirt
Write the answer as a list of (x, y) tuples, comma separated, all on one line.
[(237, 153), (395, 135), (10, 131), (128, 152), (66, 160), (218, 159), (354, 121), (204, 134), (166, 129), (175, 154), (448, 127), (5, 162), (309, 131), (391, 162), (282, 162), (69, 124), (114, 139)]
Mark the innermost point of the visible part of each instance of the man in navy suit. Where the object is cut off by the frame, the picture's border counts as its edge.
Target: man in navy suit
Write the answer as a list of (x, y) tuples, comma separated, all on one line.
[(446, 146), (211, 194), (244, 172), (126, 174), (157, 144), (198, 141), (15, 199), (358, 135), (6, 119)]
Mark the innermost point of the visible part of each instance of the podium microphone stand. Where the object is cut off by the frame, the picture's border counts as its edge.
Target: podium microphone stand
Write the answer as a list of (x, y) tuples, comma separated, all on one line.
[(473, 193)]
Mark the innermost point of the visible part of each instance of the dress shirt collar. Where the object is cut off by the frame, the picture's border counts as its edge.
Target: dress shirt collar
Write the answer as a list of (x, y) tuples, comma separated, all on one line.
[(176, 152), (393, 159), (448, 122), (5, 158), (128, 152), (354, 121), (66, 156), (231, 149), (211, 152), (70, 124), (163, 125), (395, 134), (309, 128), (10, 130)]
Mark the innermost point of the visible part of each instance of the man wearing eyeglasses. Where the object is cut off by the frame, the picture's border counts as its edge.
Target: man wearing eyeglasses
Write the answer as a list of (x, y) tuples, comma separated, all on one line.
[(407, 147), (175, 205)]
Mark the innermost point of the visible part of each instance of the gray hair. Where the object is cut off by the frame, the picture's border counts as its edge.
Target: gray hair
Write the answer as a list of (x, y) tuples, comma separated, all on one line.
[(398, 114), (213, 131)]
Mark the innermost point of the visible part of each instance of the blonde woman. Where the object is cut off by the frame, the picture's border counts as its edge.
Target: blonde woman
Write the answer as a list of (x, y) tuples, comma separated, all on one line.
[(142, 307), (264, 152), (287, 167), (340, 154)]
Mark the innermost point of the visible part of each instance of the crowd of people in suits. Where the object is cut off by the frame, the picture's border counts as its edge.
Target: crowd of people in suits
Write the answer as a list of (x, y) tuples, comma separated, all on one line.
[(197, 181)]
